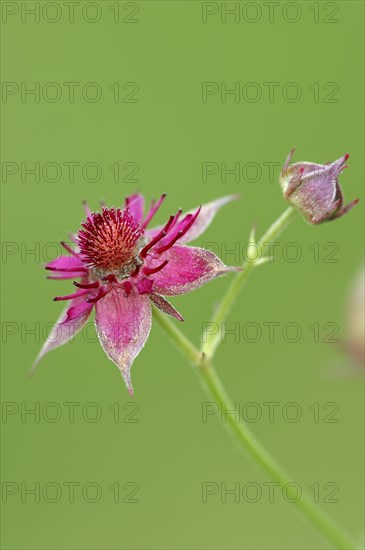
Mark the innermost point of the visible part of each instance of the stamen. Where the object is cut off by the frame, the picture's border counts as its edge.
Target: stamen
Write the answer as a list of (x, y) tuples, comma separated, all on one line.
[(98, 297), (158, 237), (68, 248), (70, 296), (151, 270), (59, 278), (171, 243), (88, 286), (189, 221), (192, 221), (177, 216), (68, 269), (153, 210)]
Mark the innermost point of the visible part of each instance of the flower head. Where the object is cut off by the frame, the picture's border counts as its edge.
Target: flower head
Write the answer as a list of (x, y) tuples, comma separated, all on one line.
[(123, 267), (314, 189)]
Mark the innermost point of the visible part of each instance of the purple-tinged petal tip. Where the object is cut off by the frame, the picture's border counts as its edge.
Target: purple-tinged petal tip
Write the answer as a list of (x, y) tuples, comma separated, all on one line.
[(123, 324)]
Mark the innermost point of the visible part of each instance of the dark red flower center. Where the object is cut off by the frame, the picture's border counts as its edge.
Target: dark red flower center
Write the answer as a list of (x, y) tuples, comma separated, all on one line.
[(109, 240)]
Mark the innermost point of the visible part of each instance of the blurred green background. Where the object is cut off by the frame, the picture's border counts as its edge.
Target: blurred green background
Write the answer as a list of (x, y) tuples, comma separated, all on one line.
[(167, 50)]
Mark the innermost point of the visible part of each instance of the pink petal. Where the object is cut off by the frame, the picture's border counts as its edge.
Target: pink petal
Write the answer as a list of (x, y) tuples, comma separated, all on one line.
[(68, 325), (123, 324), (205, 217), (165, 306), (69, 264), (188, 268), (135, 204), (78, 310)]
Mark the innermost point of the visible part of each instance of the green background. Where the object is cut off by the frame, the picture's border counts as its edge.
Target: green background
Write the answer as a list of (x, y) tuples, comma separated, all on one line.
[(169, 133)]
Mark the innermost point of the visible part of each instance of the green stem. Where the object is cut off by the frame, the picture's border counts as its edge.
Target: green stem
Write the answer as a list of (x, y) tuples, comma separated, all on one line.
[(247, 441), (212, 340), (242, 434), (324, 524)]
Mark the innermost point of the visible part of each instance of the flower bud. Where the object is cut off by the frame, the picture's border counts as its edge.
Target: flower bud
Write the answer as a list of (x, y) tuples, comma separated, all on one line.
[(314, 190)]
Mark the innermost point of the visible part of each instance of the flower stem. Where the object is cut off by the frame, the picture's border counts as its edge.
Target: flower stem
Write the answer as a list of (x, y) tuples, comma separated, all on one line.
[(212, 340), (319, 519), (325, 526)]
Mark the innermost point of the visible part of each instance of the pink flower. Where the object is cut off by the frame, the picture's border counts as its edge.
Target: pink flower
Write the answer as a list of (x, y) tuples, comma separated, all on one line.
[(123, 267), (314, 189)]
